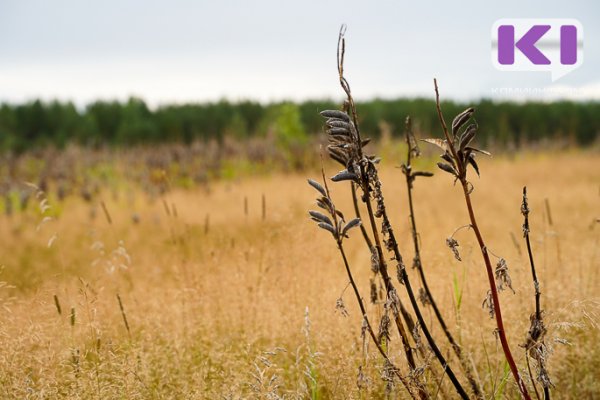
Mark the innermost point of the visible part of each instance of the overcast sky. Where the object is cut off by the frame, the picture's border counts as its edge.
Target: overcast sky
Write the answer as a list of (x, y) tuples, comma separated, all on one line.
[(179, 51)]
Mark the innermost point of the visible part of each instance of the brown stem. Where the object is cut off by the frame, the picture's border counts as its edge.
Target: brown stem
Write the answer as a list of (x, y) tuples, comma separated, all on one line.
[(484, 252), (418, 263), (536, 283), (537, 394), (366, 319), (413, 301), (495, 298), (341, 49), (357, 212), (339, 240), (388, 283)]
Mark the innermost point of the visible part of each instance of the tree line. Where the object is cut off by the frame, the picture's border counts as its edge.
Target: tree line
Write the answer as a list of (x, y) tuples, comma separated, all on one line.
[(36, 124)]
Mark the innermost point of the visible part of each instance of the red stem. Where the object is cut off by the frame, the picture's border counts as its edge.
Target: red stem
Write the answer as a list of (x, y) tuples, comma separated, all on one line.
[(496, 300)]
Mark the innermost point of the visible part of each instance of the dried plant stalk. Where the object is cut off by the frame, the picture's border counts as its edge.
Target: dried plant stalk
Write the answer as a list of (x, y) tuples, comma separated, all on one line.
[(346, 147), (335, 224), (411, 176), (535, 346), (457, 156)]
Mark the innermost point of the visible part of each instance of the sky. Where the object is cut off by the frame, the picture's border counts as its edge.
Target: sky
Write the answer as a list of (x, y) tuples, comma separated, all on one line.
[(196, 51)]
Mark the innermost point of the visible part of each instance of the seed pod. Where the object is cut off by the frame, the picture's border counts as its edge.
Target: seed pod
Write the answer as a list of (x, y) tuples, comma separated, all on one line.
[(352, 224), (345, 175), (338, 131), (341, 158), (325, 204), (339, 140), (447, 168), (448, 157), (319, 217), (336, 123), (335, 114), (317, 186), (328, 227)]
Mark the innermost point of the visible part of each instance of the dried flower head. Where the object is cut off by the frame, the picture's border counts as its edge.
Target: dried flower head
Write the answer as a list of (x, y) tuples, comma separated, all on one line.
[(341, 307), (488, 303), (373, 287), (424, 297), (374, 260), (362, 380), (453, 244), (502, 276)]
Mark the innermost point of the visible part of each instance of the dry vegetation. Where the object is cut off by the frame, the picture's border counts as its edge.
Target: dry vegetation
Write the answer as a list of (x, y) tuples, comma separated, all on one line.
[(220, 302)]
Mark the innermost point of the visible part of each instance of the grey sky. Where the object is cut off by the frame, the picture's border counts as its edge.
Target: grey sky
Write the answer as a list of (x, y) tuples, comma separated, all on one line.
[(181, 51)]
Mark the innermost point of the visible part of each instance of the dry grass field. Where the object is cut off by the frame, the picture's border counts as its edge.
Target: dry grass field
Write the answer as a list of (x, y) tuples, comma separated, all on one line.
[(196, 295)]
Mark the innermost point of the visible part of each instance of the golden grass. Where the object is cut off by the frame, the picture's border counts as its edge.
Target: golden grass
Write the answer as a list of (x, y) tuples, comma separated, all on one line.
[(224, 313)]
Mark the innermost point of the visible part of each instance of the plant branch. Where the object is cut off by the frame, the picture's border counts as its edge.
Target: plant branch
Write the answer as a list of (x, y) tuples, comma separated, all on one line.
[(490, 272), (367, 323), (410, 178), (341, 49), (537, 330)]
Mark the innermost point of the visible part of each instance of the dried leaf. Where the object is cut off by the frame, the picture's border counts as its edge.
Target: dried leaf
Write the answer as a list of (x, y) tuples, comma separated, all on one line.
[(341, 307), (473, 149), (52, 240), (317, 186), (471, 160), (374, 259), (502, 276), (468, 136), (488, 303), (337, 114), (461, 119), (453, 244), (442, 144)]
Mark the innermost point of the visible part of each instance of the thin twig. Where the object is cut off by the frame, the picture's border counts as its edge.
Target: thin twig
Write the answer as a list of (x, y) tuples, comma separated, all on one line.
[(341, 50), (360, 301), (537, 330)]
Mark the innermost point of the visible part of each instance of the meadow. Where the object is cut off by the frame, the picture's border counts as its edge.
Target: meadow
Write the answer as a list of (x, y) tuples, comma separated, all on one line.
[(226, 289)]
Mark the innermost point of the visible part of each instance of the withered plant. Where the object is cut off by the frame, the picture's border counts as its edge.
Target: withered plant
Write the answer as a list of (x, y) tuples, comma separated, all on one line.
[(426, 296), (535, 347), (360, 170), (458, 155), (346, 146)]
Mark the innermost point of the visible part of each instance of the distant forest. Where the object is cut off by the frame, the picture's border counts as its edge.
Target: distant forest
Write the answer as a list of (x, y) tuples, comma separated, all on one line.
[(37, 124)]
